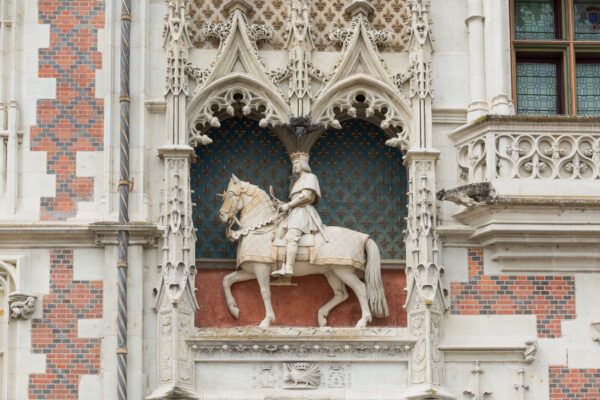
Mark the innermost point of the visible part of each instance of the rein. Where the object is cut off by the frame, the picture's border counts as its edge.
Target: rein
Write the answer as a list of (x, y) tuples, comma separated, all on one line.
[(237, 235)]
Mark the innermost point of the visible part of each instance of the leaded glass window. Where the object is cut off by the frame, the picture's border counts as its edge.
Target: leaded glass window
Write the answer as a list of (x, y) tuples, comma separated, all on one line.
[(588, 88), (535, 20), (587, 20), (537, 92)]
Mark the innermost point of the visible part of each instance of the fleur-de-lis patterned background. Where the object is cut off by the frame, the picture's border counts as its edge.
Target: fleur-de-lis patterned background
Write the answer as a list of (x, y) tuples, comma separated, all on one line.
[(254, 155), (390, 15), (363, 182)]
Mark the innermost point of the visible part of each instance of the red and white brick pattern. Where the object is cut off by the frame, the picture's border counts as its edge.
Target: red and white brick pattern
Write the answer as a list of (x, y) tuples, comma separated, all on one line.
[(55, 335), (74, 120), (550, 298)]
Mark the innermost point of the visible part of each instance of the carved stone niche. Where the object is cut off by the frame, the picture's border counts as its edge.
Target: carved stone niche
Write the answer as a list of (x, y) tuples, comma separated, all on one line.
[(21, 305), (274, 362)]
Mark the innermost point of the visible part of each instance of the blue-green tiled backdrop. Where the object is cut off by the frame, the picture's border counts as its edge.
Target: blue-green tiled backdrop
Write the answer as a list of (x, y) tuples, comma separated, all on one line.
[(362, 181)]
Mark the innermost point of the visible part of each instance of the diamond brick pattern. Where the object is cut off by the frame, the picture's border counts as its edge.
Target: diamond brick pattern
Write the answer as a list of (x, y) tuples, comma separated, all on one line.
[(74, 121), (55, 335), (568, 383), (390, 15), (550, 298)]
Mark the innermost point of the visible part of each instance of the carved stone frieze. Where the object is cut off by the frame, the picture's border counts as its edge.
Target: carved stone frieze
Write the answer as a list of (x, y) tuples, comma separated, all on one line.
[(301, 344)]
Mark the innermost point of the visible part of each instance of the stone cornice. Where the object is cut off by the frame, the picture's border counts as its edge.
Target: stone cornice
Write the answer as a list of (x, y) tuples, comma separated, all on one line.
[(39, 234), (527, 123)]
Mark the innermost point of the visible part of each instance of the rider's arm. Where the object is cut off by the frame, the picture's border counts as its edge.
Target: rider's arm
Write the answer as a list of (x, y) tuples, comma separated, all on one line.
[(306, 196)]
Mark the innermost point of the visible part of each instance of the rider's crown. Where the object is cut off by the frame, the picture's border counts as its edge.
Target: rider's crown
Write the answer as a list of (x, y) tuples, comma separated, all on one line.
[(304, 157)]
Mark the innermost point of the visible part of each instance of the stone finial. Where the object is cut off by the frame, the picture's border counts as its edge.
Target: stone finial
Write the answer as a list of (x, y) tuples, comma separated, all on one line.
[(232, 5), (359, 7)]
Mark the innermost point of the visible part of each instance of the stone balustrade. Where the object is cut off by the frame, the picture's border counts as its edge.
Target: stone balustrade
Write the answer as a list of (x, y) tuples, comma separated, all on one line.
[(529, 148)]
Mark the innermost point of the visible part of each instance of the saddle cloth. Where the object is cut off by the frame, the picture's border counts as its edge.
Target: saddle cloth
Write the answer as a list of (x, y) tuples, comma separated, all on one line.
[(345, 247), (306, 240)]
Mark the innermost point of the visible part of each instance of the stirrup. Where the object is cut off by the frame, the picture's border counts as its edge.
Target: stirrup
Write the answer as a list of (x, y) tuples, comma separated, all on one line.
[(279, 272)]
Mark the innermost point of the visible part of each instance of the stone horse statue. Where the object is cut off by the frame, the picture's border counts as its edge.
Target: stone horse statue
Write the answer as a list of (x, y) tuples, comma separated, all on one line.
[(341, 258)]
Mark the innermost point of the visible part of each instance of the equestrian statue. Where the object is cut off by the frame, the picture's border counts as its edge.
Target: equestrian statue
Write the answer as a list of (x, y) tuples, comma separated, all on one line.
[(273, 233)]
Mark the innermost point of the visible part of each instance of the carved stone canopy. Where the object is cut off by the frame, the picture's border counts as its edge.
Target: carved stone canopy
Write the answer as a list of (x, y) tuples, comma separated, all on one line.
[(238, 83)]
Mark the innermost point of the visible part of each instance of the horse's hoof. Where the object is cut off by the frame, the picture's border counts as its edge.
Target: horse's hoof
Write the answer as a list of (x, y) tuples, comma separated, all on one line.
[(362, 323), (266, 323), (322, 321), (235, 311)]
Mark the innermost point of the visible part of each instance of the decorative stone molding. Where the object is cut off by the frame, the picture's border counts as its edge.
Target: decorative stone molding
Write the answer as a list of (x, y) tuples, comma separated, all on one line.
[(522, 148), (476, 392), (236, 81), (107, 233), (513, 351), (551, 246), (21, 304), (521, 387), (301, 344)]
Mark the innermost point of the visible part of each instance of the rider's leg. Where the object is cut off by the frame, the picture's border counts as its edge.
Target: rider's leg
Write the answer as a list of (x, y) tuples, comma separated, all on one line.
[(292, 236)]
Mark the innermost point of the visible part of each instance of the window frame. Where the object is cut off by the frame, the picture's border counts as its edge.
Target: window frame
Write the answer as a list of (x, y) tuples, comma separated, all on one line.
[(566, 46)]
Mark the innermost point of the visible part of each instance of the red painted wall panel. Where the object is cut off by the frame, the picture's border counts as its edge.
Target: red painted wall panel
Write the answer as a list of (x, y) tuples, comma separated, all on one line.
[(293, 305)]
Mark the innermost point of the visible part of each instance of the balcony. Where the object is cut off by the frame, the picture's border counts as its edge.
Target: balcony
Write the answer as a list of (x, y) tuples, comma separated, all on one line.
[(530, 187), (536, 156)]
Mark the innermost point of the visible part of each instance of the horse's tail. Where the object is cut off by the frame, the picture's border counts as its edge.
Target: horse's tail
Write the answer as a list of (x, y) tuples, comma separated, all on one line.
[(375, 292)]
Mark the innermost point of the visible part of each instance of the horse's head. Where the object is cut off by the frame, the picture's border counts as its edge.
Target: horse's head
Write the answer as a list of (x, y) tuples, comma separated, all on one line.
[(232, 199)]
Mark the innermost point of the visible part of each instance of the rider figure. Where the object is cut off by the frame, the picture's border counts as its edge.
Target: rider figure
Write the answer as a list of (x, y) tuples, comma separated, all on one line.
[(302, 217)]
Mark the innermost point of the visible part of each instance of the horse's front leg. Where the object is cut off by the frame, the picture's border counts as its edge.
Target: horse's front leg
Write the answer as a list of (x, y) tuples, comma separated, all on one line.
[(263, 276), (234, 277)]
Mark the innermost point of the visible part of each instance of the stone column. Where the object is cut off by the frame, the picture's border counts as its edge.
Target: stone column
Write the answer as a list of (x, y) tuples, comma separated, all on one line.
[(425, 302), (175, 302), (497, 32), (478, 102)]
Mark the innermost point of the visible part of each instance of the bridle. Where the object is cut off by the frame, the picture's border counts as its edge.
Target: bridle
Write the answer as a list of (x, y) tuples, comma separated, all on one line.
[(232, 211)]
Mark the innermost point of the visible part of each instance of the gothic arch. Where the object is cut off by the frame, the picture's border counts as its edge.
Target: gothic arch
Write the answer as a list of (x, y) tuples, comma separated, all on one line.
[(231, 95), (367, 98)]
